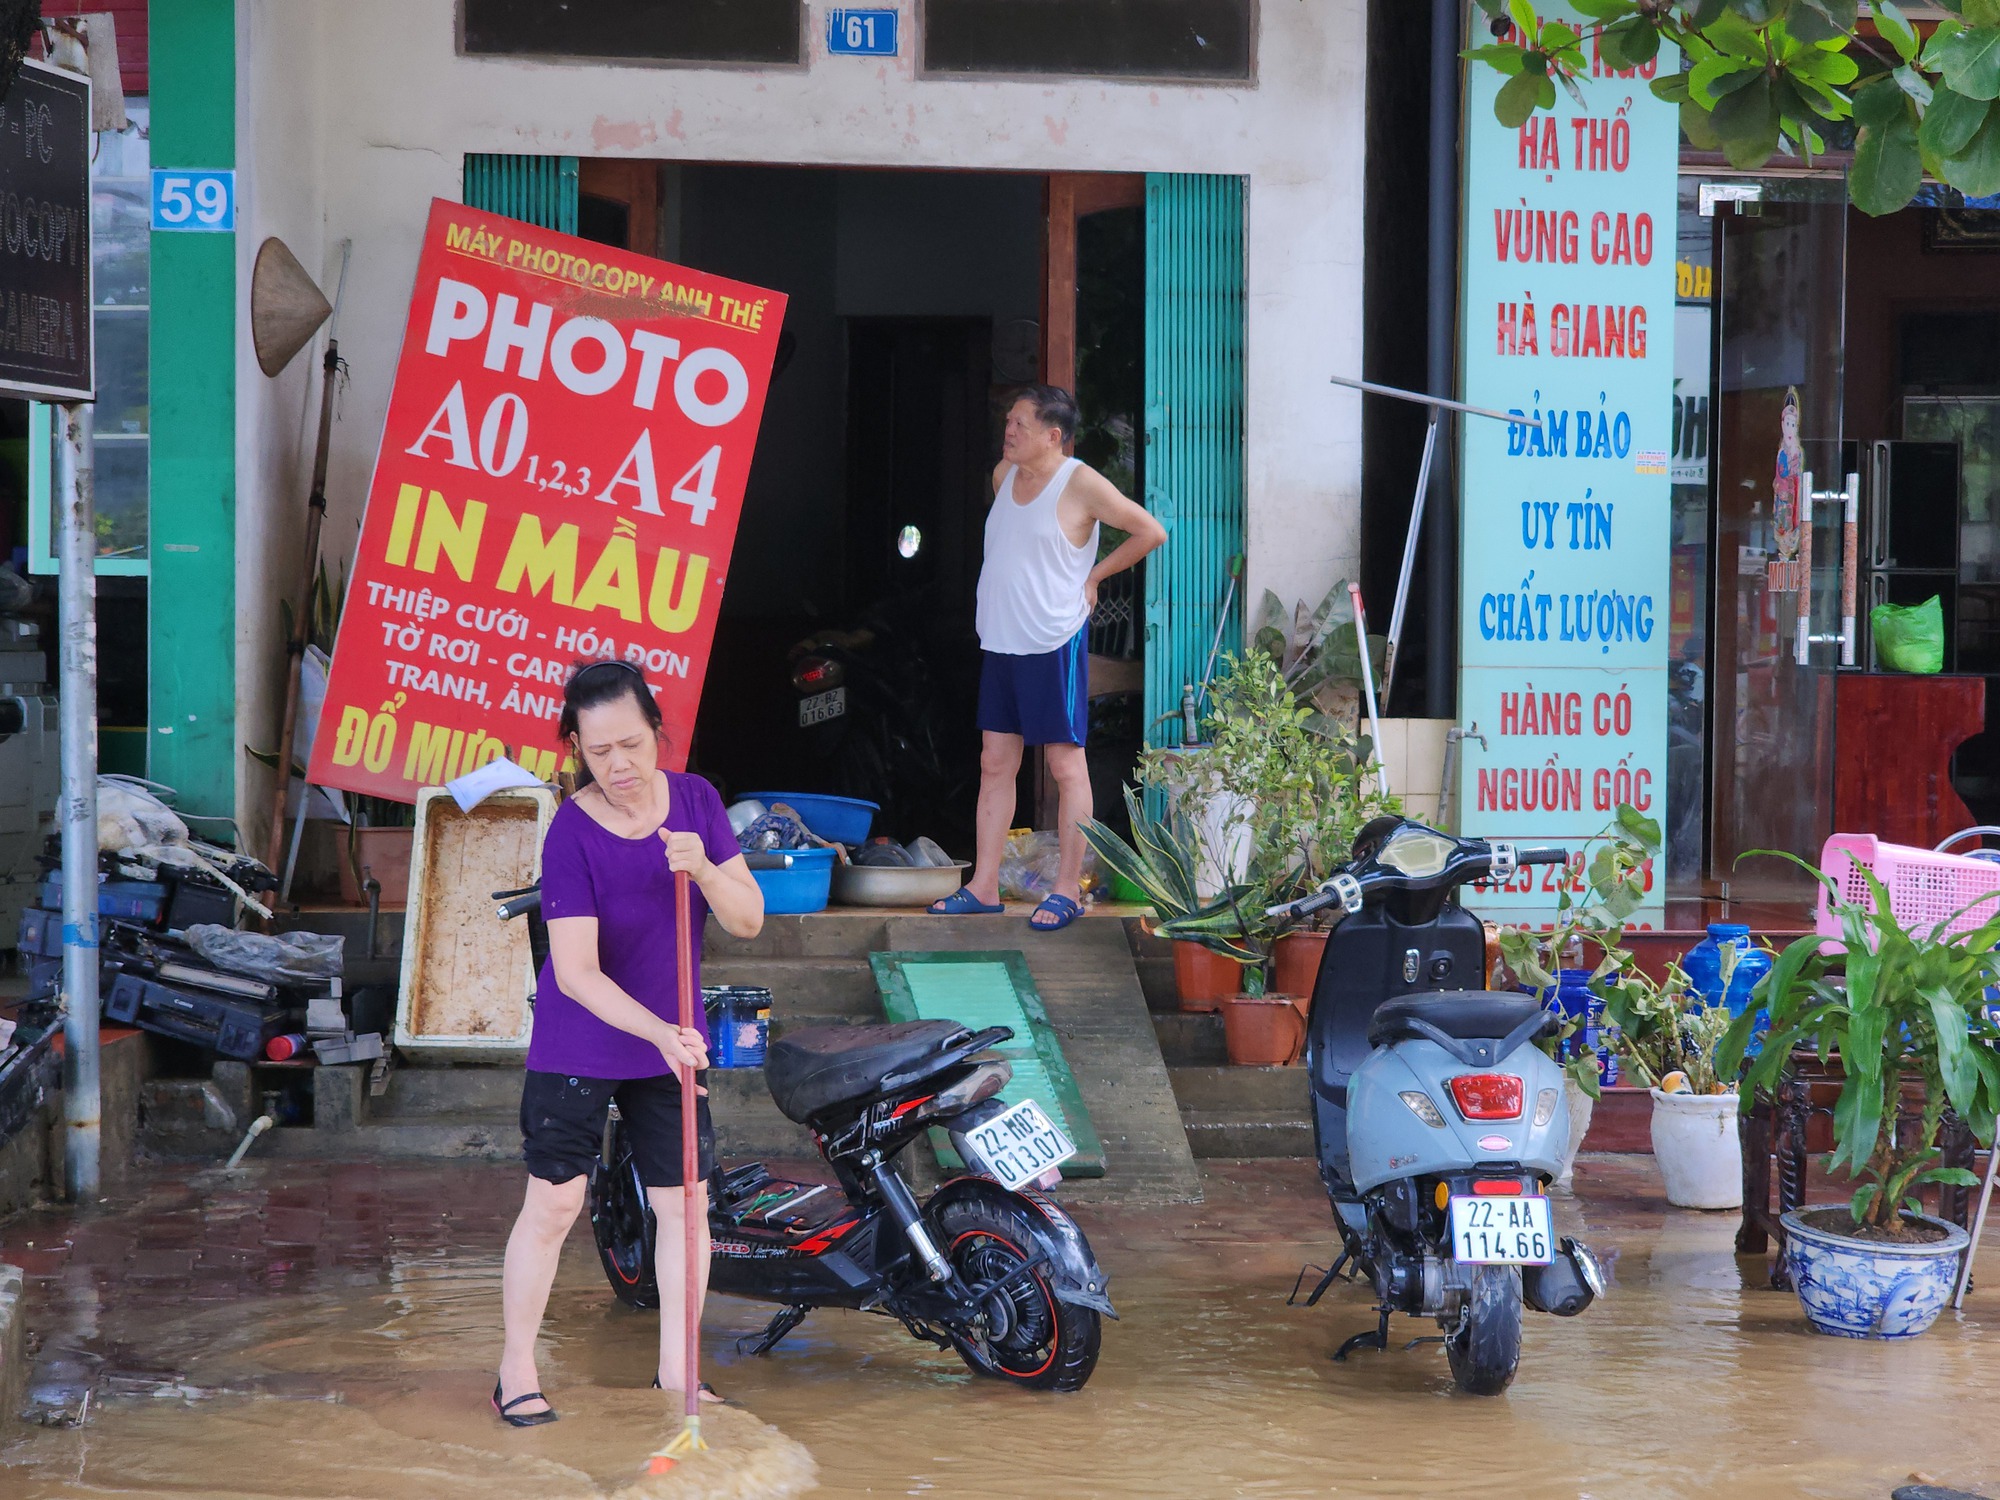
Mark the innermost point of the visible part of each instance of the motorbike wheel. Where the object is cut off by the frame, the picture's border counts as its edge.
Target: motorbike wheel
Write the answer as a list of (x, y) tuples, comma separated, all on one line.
[(1485, 1347), (621, 1221), (1033, 1339)]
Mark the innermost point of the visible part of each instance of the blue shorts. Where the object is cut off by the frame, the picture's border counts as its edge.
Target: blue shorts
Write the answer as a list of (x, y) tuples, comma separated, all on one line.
[(1045, 699)]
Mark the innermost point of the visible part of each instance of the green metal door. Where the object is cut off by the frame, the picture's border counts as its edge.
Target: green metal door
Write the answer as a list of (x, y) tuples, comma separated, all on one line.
[(534, 189), (1194, 429)]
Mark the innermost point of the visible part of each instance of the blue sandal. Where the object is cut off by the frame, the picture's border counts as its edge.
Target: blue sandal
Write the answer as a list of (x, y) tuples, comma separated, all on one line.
[(1064, 910), (962, 903)]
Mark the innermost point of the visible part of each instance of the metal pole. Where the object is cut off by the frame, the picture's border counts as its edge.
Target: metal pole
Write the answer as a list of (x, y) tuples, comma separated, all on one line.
[(1368, 686), (1409, 557), (302, 618), (77, 690), (1441, 521)]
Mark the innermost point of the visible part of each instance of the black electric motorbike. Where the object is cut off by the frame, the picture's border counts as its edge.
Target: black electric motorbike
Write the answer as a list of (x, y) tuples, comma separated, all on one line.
[(875, 723), (1003, 1277)]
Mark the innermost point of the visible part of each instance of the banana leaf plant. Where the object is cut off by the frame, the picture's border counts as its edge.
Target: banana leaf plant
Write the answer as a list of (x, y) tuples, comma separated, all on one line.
[(1161, 861), (1913, 1006)]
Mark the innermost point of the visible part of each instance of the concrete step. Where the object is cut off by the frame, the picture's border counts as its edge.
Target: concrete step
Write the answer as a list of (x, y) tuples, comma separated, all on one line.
[(483, 1135), (1153, 961), (418, 1094), (1240, 1090), (1190, 1039), (827, 934), (823, 989), (1264, 1133)]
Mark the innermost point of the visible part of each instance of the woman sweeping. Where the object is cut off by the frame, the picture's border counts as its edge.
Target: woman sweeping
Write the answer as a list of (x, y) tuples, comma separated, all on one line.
[(605, 1006)]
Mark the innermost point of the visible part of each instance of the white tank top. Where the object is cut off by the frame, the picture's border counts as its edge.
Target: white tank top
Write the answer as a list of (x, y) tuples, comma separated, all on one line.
[(1031, 582)]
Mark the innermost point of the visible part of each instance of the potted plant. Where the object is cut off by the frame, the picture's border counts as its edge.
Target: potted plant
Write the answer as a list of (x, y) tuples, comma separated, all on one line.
[(1667, 1038), (1909, 1012), (1317, 653), (1160, 862), (1591, 911), (1300, 779)]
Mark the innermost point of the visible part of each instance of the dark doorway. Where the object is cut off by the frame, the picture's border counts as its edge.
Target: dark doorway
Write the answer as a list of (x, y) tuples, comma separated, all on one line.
[(922, 440)]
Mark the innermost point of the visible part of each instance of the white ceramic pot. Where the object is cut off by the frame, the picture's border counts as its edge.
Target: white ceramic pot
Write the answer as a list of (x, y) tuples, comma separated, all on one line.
[(1580, 1106), (1696, 1140)]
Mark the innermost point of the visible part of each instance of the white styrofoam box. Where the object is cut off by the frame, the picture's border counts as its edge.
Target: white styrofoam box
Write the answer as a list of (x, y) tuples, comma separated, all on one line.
[(468, 977)]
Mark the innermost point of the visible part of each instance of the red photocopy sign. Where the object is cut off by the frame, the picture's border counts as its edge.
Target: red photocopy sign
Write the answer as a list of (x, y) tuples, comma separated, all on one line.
[(560, 477)]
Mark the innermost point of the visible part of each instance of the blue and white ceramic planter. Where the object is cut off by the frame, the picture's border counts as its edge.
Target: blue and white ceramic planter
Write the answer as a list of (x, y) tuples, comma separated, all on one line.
[(1859, 1289)]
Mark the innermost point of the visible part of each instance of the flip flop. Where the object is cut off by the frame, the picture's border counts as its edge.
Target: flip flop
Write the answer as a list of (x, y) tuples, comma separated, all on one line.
[(1064, 910), (962, 903)]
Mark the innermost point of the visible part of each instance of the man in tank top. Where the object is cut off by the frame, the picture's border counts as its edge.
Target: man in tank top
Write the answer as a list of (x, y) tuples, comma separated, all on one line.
[(1037, 587)]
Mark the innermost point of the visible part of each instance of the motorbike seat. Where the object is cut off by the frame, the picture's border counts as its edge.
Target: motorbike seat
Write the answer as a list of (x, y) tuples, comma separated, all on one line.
[(1461, 1015), (811, 1070)]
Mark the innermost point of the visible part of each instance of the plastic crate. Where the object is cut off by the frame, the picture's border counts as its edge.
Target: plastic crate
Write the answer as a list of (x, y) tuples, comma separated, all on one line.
[(1925, 887)]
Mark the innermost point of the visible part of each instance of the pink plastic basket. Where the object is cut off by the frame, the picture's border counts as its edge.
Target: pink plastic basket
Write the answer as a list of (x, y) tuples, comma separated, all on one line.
[(1925, 887)]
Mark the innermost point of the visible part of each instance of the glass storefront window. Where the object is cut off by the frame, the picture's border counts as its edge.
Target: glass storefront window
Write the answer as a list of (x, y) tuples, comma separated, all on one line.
[(1687, 648), (1780, 273), (121, 266)]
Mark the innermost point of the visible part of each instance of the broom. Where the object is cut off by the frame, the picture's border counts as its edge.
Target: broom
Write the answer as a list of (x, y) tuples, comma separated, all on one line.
[(688, 1439)]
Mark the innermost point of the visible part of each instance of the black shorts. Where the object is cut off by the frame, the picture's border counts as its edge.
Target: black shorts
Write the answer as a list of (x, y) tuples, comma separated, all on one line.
[(562, 1125)]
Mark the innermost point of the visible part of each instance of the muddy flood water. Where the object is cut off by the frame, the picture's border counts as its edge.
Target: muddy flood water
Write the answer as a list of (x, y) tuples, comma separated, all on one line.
[(311, 1330)]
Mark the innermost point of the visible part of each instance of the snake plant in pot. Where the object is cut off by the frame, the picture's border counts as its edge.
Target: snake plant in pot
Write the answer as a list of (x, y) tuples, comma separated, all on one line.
[(1161, 860), (1905, 1012)]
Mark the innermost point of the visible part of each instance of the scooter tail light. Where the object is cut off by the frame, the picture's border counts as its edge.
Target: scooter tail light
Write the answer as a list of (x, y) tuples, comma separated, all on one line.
[(815, 674), (1545, 1106), (1421, 1106), (981, 1084), (1488, 1096)]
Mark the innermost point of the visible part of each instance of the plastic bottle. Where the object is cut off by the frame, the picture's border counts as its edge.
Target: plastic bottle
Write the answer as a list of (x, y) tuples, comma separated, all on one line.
[(1190, 718), (284, 1048)]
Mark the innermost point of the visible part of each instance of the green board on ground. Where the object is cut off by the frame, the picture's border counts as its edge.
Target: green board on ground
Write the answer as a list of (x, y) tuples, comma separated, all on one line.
[(978, 990)]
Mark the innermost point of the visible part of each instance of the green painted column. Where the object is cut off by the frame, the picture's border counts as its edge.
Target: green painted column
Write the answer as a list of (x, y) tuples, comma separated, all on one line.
[(192, 595)]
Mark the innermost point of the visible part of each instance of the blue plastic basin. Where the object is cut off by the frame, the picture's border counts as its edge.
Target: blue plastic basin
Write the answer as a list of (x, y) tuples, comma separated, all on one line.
[(802, 886), (839, 820)]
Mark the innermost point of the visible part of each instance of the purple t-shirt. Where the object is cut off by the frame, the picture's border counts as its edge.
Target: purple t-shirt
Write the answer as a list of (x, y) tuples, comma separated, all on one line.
[(589, 871)]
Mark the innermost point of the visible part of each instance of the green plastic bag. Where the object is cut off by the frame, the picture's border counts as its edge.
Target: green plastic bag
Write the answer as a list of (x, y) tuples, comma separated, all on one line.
[(1909, 637)]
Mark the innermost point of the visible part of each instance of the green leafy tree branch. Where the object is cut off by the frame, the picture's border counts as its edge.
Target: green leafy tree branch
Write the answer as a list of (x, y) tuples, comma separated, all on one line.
[(1765, 77)]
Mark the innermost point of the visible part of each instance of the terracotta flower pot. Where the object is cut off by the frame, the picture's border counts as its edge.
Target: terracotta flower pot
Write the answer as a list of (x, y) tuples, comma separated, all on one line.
[(383, 853), (1203, 977), (1297, 962), (1262, 1031)]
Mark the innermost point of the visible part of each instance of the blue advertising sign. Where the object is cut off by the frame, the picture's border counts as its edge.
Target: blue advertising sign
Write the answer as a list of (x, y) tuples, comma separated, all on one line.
[(861, 33), (1570, 235), (191, 199)]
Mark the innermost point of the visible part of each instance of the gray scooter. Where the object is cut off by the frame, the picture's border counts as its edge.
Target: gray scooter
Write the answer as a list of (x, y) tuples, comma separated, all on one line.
[(1439, 1123)]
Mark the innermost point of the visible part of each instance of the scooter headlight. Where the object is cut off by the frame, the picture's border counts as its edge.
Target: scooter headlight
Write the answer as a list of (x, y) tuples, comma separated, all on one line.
[(1422, 1107), (1545, 1106)]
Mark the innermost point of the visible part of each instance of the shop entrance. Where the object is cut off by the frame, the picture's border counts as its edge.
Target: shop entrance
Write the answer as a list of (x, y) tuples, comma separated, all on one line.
[(1779, 293), (846, 660)]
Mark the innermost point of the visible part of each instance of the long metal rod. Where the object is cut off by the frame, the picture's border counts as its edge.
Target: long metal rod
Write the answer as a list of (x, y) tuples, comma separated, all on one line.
[(77, 697), (1435, 402), (1978, 1224), (1409, 557), (295, 648), (1442, 231), (1368, 685)]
